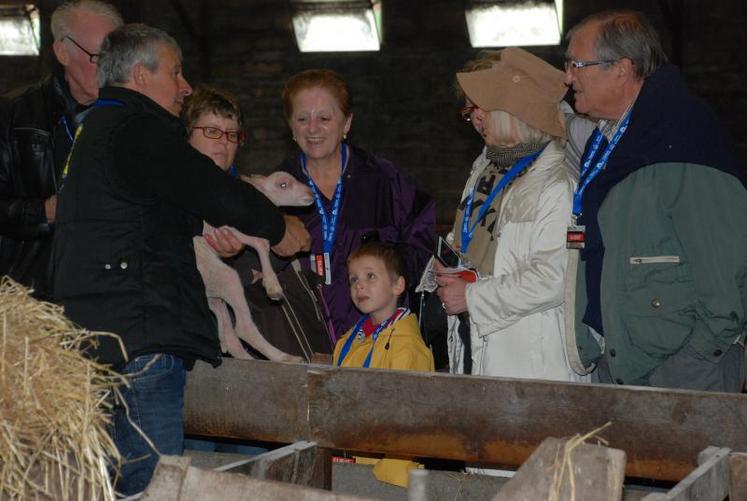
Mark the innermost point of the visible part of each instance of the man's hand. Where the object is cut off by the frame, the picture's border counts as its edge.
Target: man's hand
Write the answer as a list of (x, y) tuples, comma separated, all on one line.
[(223, 242), (50, 208), (295, 240)]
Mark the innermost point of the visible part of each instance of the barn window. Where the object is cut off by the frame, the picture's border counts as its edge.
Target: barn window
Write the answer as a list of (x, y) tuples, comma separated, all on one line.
[(337, 26), (508, 23), (19, 30)]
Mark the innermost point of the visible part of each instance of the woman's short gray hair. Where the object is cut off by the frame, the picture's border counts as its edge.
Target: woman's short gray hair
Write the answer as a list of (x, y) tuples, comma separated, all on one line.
[(63, 15), (129, 45), (626, 34)]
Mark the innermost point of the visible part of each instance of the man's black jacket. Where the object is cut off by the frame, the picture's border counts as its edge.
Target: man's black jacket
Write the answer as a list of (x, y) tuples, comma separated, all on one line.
[(134, 197), (34, 142)]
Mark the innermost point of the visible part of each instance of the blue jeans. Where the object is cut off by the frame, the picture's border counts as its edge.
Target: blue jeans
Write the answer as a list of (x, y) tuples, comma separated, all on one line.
[(155, 400)]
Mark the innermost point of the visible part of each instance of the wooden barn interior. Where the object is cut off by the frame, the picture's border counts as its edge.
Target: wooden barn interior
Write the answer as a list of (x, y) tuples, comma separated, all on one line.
[(406, 110)]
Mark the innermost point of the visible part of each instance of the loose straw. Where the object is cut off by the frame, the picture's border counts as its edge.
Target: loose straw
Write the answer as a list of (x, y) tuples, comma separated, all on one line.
[(56, 405), (567, 463)]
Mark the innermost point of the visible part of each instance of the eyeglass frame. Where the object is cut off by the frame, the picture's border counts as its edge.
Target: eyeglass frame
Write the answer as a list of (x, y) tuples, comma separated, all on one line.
[(240, 136), (466, 112), (579, 65), (92, 56)]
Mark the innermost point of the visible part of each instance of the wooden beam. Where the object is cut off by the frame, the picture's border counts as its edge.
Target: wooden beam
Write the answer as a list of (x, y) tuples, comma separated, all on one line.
[(248, 399), (489, 420), (708, 482), (737, 475)]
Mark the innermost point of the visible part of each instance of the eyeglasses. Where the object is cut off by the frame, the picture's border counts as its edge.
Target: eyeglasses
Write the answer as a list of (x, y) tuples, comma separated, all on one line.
[(466, 112), (577, 65), (94, 58), (233, 136)]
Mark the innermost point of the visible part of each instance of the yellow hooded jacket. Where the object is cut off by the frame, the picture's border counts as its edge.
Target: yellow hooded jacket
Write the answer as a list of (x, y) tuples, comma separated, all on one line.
[(399, 347)]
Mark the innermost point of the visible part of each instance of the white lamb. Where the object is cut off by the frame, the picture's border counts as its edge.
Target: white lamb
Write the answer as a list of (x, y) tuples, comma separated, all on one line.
[(222, 283)]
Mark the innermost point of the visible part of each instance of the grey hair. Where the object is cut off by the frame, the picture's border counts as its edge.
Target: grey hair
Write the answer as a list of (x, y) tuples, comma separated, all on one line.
[(63, 15), (129, 45), (626, 34)]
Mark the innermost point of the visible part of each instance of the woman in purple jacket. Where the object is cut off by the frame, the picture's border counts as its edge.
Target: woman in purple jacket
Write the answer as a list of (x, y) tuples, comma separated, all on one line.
[(358, 196)]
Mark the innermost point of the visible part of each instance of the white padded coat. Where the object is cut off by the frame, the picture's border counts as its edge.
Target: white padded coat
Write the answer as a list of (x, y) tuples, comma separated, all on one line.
[(517, 319)]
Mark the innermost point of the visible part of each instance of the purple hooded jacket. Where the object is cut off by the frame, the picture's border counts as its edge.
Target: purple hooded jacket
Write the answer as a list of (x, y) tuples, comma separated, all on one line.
[(379, 201)]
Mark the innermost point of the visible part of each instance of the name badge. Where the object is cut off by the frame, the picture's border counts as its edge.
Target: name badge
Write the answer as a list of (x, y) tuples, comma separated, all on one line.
[(320, 263), (575, 237)]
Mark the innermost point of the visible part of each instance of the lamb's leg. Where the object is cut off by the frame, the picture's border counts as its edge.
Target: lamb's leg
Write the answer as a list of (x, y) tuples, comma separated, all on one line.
[(262, 246), (229, 341), (269, 278), (222, 281)]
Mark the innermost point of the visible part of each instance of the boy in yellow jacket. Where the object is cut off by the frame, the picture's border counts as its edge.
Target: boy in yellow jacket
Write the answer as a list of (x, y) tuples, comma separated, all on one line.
[(386, 337)]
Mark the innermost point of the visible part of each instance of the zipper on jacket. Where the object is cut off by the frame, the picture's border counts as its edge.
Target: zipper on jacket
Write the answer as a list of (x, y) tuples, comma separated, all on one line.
[(654, 259)]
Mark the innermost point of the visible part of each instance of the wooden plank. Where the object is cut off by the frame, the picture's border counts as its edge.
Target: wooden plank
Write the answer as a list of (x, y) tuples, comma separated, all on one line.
[(168, 479), (301, 463), (591, 472), (247, 399), (708, 482), (737, 475), (175, 480), (488, 420)]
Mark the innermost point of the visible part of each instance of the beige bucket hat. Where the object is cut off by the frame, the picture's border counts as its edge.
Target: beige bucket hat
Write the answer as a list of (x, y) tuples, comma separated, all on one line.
[(521, 84)]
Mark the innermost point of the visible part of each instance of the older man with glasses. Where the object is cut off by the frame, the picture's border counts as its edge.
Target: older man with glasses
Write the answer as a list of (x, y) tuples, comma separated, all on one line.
[(36, 131), (658, 218)]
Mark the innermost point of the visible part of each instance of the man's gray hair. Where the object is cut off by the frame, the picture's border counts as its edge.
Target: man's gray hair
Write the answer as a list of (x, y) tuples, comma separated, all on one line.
[(63, 15), (129, 45), (626, 34)]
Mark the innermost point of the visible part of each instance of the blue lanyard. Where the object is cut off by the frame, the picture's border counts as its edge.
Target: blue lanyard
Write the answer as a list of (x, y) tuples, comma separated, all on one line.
[(588, 173), (67, 128), (100, 103), (400, 313), (329, 223), (516, 169)]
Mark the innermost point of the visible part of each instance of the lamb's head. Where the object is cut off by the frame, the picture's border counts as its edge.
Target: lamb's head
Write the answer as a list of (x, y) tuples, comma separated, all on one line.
[(282, 189)]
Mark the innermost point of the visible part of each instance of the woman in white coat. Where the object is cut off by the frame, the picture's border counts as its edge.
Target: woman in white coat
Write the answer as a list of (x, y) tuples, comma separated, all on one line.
[(511, 225)]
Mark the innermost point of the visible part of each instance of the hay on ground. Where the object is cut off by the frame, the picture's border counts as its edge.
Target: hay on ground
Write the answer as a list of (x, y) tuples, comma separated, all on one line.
[(55, 405)]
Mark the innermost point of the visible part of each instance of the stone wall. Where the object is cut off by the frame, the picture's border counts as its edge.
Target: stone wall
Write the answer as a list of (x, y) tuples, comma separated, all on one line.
[(404, 102)]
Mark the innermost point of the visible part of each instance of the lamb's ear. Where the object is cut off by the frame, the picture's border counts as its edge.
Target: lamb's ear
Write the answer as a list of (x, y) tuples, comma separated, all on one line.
[(248, 178)]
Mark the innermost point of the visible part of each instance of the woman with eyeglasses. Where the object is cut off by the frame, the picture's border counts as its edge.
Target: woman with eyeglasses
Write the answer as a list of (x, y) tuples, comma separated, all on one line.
[(213, 120), (214, 126), (358, 196), (511, 224)]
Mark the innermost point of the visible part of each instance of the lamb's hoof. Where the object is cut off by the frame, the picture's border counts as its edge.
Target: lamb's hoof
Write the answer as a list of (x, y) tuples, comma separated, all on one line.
[(275, 294), (292, 359)]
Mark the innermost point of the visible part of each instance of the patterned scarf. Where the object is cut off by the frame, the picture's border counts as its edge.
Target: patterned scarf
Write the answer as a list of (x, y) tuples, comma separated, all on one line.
[(482, 248)]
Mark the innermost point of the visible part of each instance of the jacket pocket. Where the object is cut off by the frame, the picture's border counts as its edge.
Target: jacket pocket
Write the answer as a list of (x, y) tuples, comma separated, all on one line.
[(654, 259), (659, 317)]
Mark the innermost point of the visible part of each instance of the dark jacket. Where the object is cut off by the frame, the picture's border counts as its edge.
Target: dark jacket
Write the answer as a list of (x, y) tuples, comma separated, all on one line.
[(34, 143), (667, 125), (671, 270), (135, 195), (379, 201)]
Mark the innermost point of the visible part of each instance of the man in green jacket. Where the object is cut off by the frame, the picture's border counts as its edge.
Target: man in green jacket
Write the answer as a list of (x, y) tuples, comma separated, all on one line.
[(659, 218)]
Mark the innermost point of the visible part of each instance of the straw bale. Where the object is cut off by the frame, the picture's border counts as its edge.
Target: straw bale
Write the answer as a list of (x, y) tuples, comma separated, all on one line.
[(55, 405)]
